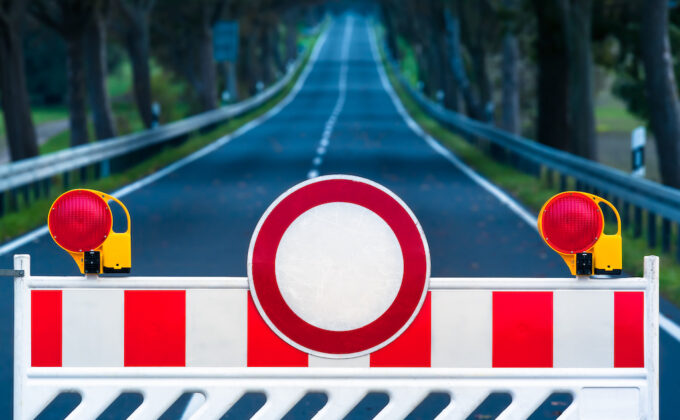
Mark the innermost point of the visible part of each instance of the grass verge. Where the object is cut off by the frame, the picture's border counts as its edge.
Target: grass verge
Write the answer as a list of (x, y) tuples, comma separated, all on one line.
[(34, 214), (533, 192)]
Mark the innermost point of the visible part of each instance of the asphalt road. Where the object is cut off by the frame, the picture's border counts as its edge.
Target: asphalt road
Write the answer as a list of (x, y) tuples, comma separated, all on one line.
[(198, 220)]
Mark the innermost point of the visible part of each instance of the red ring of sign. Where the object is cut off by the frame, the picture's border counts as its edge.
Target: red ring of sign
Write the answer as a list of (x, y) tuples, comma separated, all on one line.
[(409, 296)]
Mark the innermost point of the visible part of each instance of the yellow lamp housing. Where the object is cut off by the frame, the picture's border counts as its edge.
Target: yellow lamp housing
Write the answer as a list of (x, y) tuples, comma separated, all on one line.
[(572, 224), (81, 222)]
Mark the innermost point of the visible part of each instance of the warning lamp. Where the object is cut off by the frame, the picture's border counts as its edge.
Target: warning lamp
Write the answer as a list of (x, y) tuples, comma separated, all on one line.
[(572, 224), (80, 221)]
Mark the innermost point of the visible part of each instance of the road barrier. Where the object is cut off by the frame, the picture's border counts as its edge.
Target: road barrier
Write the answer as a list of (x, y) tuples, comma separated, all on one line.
[(631, 194), (592, 342), (36, 173), (338, 307)]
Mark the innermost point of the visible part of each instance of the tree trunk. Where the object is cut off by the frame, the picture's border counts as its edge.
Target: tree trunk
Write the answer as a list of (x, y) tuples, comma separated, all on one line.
[(137, 44), (472, 103), (76, 90), (19, 129), (553, 77), (452, 94), (251, 68), (277, 58), (484, 111), (291, 36), (208, 91), (510, 101), (95, 50), (661, 88), (267, 57), (581, 108), (390, 31)]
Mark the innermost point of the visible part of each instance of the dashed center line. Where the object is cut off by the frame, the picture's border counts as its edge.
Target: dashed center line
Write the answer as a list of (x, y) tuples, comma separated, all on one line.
[(339, 104)]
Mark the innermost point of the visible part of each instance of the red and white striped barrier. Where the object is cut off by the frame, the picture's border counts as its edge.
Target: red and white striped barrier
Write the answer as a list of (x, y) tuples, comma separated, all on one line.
[(594, 338), (222, 328)]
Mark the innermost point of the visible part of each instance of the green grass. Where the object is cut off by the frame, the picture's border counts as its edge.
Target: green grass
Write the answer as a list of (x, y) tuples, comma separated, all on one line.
[(408, 63), (34, 215), (41, 115), (533, 193), (56, 143), (611, 115)]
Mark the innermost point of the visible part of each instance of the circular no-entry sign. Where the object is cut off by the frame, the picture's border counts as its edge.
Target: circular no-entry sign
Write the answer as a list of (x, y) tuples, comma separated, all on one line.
[(338, 266)]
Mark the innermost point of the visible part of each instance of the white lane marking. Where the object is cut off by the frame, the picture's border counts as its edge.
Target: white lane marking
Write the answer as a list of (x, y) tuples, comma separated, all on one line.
[(446, 153), (197, 400), (671, 327), (35, 234), (666, 323), (339, 103)]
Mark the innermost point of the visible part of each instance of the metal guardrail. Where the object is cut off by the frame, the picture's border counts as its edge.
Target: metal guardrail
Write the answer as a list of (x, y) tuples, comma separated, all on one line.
[(625, 190), (33, 171)]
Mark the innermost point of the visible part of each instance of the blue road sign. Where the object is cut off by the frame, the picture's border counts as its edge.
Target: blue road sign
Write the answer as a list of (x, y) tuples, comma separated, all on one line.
[(225, 41)]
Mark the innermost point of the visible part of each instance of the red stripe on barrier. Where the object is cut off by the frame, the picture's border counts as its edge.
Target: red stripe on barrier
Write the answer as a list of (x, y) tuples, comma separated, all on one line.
[(413, 347), (155, 327), (522, 329), (629, 329), (265, 348), (46, 328)]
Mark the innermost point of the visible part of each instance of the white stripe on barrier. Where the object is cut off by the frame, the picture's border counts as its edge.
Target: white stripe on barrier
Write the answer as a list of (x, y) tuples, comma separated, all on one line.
[(583, 328), (92, 327), (216, 327), (461, 328), (362, 361)]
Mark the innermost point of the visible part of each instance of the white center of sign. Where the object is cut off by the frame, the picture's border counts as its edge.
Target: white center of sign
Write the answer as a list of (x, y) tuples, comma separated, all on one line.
[(339, 266)]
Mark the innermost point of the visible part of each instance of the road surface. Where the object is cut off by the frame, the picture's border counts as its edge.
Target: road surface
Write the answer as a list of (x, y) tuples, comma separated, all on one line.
[(198, 219)]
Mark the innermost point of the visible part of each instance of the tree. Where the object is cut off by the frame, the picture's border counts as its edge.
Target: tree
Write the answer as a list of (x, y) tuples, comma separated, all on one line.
[(133, 25), (185, 31), (16, 109), (553, 76), (510, 105), (581, 110), (661, 88), (95, 53), (422, 26), (70, 19), (478, 31)]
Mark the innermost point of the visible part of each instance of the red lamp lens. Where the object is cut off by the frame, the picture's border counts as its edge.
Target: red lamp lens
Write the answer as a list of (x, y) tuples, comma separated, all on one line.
[(571, 223), (79, 220)]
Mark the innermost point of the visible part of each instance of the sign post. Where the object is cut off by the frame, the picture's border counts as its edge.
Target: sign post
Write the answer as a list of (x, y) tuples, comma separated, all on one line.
[(638, 139), (225, 49)]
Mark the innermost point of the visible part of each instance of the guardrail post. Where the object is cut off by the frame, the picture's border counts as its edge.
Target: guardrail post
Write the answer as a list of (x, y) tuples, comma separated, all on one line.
[(625, 213), (563, 182), (46, 186), (2, 204), (13, 204), (37, 190), (677, 244), (665, 235), (549, 176), (104, 168), (83, 174), (651, 229), (26, 193), (637, 222), (66, 179)]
